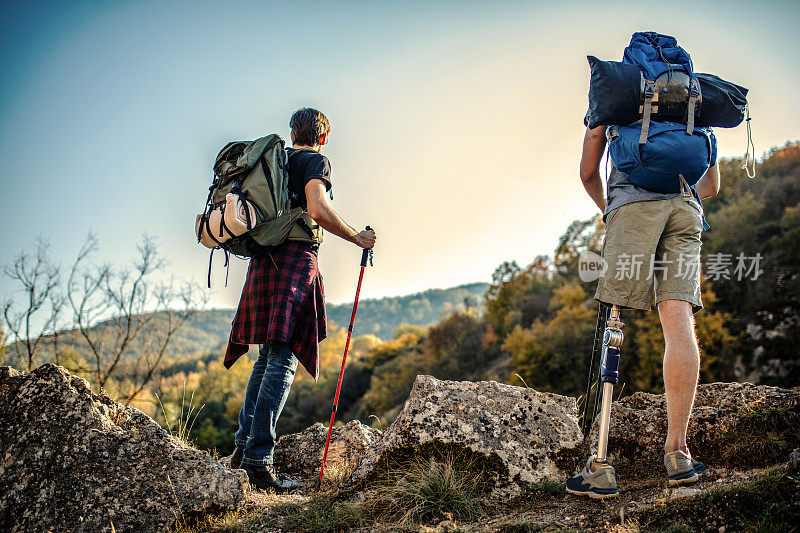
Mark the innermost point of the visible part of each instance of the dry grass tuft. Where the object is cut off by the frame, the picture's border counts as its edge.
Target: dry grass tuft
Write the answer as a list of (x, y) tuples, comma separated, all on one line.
[(431, 489)]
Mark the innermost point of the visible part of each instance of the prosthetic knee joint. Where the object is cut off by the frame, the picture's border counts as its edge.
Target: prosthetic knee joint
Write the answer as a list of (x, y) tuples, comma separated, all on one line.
[(609, 375)]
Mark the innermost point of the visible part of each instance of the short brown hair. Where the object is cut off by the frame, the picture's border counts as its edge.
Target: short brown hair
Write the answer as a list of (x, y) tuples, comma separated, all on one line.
[(308, 126)]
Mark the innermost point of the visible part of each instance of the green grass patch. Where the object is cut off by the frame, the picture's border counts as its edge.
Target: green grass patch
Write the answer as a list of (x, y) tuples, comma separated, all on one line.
[(769, 502), (321, 514), (543, 490), (761, 437), (528, 526), (525, 526), (230, 522)]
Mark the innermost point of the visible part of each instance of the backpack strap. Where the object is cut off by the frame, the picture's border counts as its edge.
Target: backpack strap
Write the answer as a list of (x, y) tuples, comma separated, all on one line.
[(224, 227), (265, 170), (710, 146), (649, 94), (207, 222), (690, 117), (305, 227), (686, 190), (243, 201), (227, 265), (694, 95)]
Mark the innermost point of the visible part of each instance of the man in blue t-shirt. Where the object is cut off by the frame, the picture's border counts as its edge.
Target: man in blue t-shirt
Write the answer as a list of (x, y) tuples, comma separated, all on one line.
[(652, 249)]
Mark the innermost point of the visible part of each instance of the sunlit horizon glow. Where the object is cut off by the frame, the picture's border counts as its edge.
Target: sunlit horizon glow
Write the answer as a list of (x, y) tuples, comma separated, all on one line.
[(456, 127)]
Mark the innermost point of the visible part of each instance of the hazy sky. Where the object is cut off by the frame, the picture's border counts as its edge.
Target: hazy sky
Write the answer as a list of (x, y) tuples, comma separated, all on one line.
[(456, 126)]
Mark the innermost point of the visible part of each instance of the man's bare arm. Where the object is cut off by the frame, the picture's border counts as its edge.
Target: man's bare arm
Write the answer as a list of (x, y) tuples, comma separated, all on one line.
[(594, 144), (323, 214), (709, 184)]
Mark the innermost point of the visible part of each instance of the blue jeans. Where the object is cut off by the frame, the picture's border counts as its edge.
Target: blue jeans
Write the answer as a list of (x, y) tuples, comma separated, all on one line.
[(266, 395)]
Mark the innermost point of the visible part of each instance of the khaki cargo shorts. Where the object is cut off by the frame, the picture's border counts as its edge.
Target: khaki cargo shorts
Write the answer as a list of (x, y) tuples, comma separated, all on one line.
[(652, 245)]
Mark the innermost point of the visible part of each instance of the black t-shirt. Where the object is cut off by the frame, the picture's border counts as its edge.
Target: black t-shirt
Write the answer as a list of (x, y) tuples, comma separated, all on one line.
[(305, 165)]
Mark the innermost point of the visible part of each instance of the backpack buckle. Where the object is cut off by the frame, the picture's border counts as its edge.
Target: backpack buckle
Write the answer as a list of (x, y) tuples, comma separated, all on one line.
[(694, 88), (649, 88)]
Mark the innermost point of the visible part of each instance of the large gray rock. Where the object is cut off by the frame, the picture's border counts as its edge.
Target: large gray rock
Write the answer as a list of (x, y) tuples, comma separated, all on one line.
[(520, 431), (73, 460), (639, 424), (301, 453)]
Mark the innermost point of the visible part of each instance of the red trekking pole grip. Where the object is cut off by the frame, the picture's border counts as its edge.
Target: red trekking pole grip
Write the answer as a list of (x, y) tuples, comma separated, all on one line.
[(366, 254)]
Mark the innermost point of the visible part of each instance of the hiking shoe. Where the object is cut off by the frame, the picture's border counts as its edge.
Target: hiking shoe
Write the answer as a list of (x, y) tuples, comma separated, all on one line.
[(236, 458), (599, 485), (682, 469), (268, 479), (699, 467)]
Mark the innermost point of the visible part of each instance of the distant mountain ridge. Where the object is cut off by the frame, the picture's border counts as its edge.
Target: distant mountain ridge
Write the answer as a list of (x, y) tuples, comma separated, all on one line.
[(381, 316), (208, 330), (376, 316)]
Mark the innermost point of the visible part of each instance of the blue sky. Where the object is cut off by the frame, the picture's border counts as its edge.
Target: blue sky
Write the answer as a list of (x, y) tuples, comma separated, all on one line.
[(456, 126)]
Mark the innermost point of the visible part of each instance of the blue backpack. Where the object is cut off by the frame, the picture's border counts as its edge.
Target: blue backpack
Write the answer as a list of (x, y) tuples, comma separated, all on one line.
[(658, 156), (667, 155)]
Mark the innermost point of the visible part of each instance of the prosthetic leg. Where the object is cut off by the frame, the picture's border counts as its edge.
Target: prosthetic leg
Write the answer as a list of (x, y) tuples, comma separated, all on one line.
[(609, 375), (597, 478)]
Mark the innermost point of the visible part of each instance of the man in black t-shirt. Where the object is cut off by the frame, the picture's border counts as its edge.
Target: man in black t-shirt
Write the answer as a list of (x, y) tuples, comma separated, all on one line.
[(282, 307), (304, 165)]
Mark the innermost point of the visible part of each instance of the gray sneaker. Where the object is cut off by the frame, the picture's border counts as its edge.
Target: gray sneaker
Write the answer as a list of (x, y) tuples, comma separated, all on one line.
[(699, 467), (599, 485), (682, 469)]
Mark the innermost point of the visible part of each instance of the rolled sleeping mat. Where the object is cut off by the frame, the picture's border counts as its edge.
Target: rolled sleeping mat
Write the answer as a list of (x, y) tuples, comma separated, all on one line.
[(234, 215), (724, 102), (616, 93)]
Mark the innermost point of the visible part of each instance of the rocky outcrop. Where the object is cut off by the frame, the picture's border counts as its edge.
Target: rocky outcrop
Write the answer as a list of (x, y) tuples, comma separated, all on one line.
[(73, 460), (519, 431), (639, 424), (301, 453)]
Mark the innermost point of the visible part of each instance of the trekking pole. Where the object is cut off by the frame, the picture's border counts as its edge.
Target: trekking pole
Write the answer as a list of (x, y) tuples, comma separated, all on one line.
[(365, 255), (588, 416), (609, 375)]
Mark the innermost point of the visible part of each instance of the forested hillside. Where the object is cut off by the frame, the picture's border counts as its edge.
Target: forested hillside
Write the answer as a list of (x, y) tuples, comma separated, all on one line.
[(381, 316)]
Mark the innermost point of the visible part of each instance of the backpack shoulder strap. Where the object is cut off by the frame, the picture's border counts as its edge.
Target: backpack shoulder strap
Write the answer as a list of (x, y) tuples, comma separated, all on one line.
[(649, 95)]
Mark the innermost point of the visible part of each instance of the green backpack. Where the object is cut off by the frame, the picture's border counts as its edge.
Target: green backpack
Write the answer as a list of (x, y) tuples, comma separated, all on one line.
[(256, 172)]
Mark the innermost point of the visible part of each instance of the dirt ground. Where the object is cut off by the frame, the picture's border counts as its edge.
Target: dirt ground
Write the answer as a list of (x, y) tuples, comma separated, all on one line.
[(553, 512)]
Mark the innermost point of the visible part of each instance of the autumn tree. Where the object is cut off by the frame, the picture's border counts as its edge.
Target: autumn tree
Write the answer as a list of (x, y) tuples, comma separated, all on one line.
[(552, 355)]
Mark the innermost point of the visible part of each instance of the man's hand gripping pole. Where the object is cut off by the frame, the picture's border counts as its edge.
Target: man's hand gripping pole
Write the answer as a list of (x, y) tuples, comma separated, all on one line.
[(609, 375)]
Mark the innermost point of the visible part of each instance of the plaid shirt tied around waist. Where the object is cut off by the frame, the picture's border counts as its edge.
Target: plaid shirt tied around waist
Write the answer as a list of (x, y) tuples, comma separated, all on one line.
[(283, 299)]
